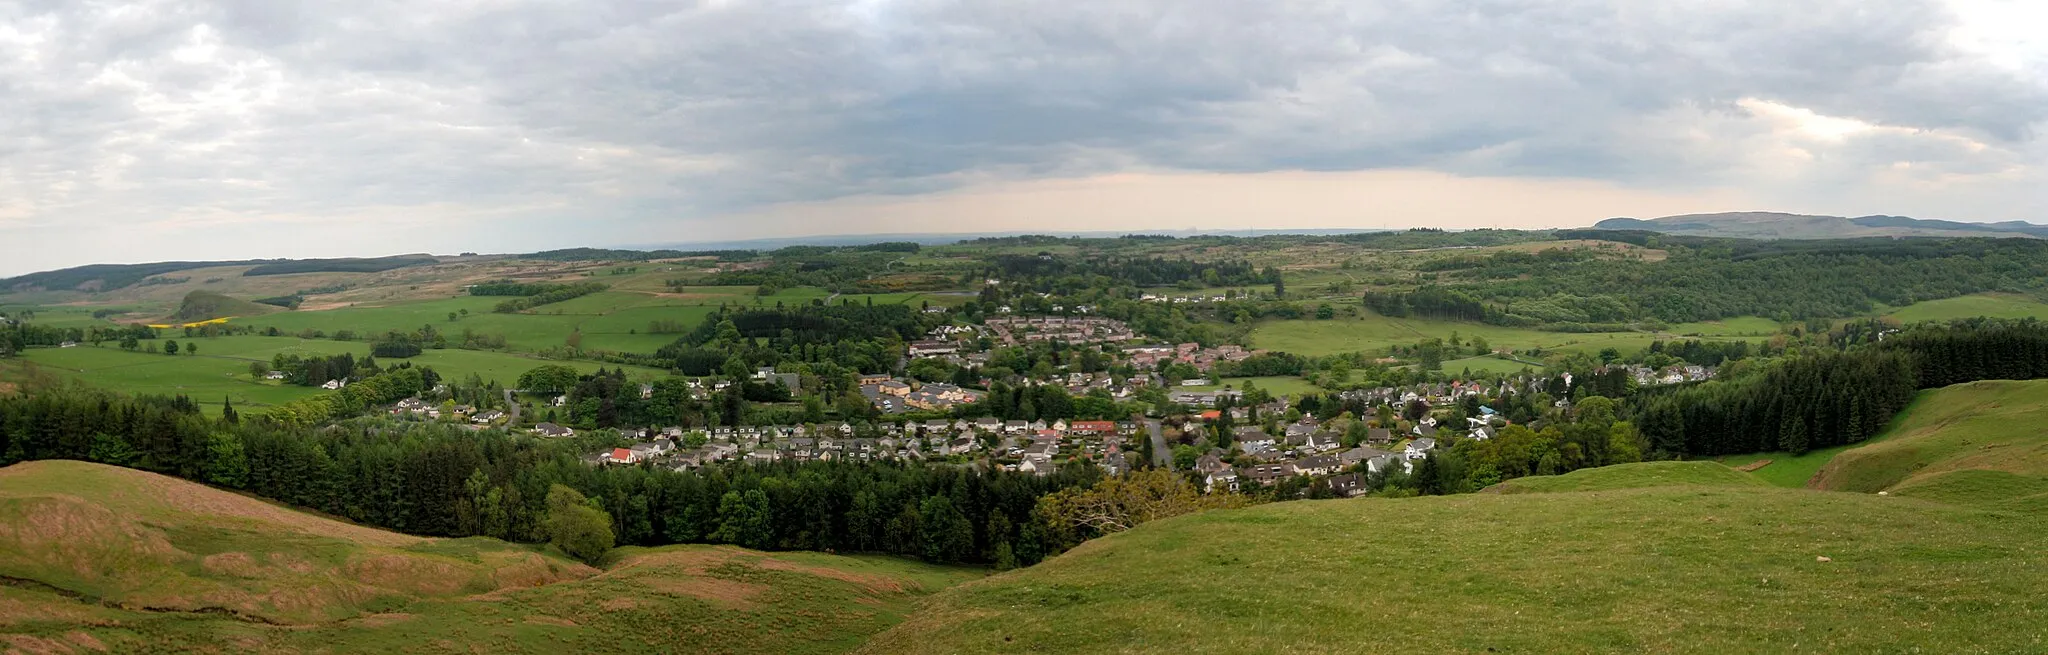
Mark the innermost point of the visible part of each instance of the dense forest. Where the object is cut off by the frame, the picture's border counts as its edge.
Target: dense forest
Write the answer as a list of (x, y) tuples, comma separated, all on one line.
[(1707, 279), (344, 265), (551, 294)]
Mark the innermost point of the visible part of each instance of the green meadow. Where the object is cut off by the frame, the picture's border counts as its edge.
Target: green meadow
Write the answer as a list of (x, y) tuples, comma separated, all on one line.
[(221, 369), (1995, 305), (1373, 333)]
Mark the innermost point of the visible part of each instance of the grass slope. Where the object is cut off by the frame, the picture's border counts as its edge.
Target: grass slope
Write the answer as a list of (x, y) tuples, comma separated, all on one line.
[(1634, 476), (99, 557), (1977, 443), (1373, 333), (1688, 569), (1996, 305), (207, 305)]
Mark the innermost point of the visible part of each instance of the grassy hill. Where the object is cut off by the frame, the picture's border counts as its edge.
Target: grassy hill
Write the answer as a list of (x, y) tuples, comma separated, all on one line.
[(1638, 476), (1980, 443), (99, 557), (207, 305), (1728, 566)]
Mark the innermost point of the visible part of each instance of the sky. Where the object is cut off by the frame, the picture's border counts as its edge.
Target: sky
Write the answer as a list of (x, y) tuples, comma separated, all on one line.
[(189, 129)]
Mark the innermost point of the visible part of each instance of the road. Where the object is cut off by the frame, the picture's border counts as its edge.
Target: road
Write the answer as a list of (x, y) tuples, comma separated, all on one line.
[(514, 407), (1162, 456)]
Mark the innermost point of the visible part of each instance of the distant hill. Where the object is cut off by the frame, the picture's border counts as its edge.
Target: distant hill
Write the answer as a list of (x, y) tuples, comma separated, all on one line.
[(1774, 225), (108, 277), (207, 305), (1732, 566), (95, 558)]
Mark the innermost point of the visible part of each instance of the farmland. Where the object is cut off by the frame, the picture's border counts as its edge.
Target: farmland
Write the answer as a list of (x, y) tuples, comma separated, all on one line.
[(221, 369), (1373, 333)]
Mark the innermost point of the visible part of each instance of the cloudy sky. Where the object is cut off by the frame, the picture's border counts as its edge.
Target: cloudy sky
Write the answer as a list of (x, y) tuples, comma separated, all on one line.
[(136, 131)]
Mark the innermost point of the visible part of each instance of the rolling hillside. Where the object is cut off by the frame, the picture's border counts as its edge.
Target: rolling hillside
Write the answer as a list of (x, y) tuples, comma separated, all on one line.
[(96, 557), (206, 306), (1980, 443), (1728, 566)]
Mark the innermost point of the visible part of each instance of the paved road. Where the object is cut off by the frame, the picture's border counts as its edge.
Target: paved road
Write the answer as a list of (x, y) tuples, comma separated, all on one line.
[(1162, 456), (514, 405)]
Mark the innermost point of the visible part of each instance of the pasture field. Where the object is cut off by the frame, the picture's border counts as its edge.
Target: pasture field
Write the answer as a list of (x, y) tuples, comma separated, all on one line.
[(1488, 364), (1374, 334), (221, 369), (1995, 305), (1634, 476), (1786, 469), (1741, 326), (1278, 385), (1977, 443), (113, 539), (1733, 565)]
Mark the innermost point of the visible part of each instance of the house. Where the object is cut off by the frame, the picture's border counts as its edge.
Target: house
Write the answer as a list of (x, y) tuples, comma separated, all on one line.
[(552, 430), (894, 388), (651, 449), (1349, 485), (1266, 473), (487, 416), (1225, 478), (1253, 438), (960, 446), (334, 384), (1356, 456), (622, 456), (1384, 463), (1424, 431), (1113, 463), (929, 348), (1210, 464), (1040, 465), (1322, 442), (988, 424), (1482, 434), (1092, 428), (1016, 426), (1317, 465), (1419, 448), (274, 375)]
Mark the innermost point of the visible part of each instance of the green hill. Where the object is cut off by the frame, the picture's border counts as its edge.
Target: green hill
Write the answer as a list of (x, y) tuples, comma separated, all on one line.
[(1979, 443), (207, 305), (1726, 567), (1637, 476), (100, 557)]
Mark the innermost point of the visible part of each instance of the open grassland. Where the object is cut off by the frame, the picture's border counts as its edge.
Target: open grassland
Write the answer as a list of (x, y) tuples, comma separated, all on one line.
[(1488, 364), (1977, 443), (221, 369), (1373, 334), (1278, 385), (1785, 469), (1635, 476), (1742, 326), (1693, 568), (91, 546), (1996, 305)]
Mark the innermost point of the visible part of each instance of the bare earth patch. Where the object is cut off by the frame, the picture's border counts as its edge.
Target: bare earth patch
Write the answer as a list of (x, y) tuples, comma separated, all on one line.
[(381, 620), (1753, 466)]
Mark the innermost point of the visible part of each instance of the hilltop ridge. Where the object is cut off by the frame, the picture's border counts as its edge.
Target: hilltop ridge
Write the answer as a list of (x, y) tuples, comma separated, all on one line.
[(1780, 225)]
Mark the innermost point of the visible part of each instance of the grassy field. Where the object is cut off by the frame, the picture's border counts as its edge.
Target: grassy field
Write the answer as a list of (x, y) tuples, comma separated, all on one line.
[(1996, 305), (1278, 385), (1665, 569), (1372, 333), (221, 369), (225, 573), (1786, 469), (1977, 443), (1487, 364), (1740, 326), (1636, 476)]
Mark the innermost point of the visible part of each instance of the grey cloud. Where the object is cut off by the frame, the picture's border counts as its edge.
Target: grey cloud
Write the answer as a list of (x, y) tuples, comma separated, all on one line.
[(625, 111)]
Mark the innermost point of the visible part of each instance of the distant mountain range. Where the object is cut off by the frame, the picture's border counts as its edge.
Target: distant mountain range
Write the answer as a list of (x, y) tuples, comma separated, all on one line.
[(1776, 225)]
